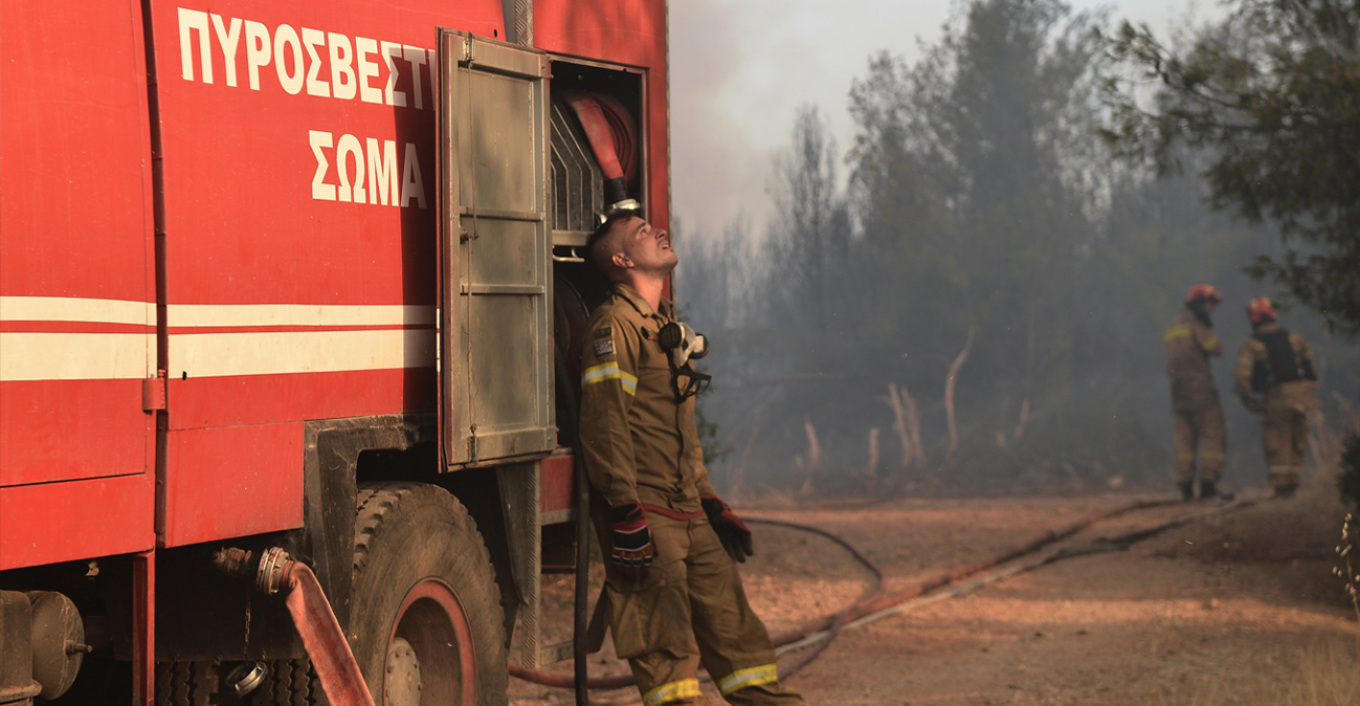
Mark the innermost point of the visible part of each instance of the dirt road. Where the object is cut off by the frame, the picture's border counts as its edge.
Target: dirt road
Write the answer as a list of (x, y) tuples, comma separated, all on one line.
[(1237, 607)]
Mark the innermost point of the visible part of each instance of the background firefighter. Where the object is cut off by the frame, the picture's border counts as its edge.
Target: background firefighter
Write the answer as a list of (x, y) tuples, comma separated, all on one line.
[(676, 599), (1275, 376), (1197, 413)]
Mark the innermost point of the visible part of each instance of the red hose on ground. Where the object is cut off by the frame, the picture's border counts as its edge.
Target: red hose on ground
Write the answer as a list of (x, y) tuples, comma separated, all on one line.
[(872, 604), (565, 681), (842, 616)]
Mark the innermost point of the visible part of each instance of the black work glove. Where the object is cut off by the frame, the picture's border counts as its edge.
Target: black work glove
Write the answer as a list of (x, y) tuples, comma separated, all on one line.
[(632, 540), (735, 537)]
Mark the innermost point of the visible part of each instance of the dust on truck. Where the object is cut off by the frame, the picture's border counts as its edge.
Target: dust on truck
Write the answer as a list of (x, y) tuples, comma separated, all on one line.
[(290, 286)]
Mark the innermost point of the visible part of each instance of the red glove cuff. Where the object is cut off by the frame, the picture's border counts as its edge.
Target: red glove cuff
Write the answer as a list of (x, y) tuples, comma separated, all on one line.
[(627, 517), (632, 540)]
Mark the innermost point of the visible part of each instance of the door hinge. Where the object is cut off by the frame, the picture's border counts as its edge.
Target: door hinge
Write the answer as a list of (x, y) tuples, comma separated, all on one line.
[(153, 392)]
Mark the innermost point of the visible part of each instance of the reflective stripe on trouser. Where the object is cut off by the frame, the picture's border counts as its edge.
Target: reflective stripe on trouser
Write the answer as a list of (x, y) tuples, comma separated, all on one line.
[(1284, 438), (690, 609), (753, 676), (685, 689), (1200, 428)]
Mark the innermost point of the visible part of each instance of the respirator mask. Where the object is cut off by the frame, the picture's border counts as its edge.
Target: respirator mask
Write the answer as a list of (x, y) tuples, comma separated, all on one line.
[(683, 345)]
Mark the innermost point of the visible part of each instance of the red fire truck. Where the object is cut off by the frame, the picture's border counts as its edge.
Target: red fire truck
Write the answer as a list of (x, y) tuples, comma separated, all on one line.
[(286, 286)]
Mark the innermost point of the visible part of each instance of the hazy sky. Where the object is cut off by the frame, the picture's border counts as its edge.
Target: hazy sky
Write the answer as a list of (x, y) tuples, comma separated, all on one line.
[(740, 68)]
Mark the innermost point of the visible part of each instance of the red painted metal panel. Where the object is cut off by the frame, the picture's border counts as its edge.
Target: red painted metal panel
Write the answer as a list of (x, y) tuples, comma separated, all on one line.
[(630, 32), (75, 220), (556, 484), (232, 482), (300, 173), (266, 399), (77, 272), (56, 430), (52, 522), (274, 141)]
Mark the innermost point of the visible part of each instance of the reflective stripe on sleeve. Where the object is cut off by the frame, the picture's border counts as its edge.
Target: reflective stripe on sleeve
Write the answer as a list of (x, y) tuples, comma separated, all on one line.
[(1178, 331), (674, 691), (1210, 342), (609, 371), (751, 676)]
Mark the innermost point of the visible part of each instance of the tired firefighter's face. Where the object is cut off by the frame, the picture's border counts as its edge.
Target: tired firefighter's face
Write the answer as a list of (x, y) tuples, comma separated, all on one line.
[(636, 245)]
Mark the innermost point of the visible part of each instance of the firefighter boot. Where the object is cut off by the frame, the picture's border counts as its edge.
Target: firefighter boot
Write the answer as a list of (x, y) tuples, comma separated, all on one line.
[(1207, 490), (1187, 491)]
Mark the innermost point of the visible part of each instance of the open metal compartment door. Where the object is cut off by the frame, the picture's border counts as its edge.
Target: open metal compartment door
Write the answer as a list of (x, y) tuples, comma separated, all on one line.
[(496, 298)]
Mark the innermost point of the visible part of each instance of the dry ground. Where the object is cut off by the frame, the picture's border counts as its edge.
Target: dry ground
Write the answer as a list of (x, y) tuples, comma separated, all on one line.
[(1239, 607)]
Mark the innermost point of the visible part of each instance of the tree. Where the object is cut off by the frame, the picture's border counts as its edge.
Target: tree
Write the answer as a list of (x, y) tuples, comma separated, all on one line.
[(902, 184), (715, 274), (1272, 95), (983, 199), (970, 175), (810, 237)]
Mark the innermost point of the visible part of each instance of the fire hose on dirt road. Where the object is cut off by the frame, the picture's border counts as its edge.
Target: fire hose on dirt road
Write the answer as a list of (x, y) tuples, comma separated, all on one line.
[(819, 633), (877, 607)]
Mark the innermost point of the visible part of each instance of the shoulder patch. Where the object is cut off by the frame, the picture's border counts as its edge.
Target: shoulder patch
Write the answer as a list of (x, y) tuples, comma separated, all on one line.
[(604, 347), (603, 332)]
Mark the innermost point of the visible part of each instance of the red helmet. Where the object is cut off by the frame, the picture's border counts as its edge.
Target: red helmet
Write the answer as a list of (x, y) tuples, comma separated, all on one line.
[(1260, 310), (1204, 292)]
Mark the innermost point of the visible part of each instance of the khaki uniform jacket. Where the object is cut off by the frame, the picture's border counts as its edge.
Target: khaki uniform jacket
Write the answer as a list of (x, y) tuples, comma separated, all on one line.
[(1254, 356), (639, 444), (1189, 343)]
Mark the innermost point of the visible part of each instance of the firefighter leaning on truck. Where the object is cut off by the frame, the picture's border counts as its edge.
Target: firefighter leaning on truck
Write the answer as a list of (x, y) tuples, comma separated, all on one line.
[(1196, 411), (676, 599), (1275, 376)]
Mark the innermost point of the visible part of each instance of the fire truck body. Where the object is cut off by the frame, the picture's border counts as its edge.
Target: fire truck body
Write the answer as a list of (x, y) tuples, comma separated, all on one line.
[(262, 263)]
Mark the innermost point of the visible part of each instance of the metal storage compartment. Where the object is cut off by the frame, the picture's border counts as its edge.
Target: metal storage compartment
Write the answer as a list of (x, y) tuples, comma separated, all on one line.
[(496, 255)]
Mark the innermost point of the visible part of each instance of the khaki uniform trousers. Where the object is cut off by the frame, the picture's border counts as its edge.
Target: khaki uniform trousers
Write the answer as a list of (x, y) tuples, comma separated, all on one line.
[(691, 609), (1284, 431), (1199, 427)]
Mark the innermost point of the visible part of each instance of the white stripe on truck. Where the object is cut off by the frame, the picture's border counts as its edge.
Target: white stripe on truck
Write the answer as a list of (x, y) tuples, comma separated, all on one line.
[(93, 355), (76, 356), (104, 311)]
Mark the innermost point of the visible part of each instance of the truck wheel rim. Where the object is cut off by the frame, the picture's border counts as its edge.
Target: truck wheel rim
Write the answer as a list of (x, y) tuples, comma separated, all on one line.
[(432, 623)]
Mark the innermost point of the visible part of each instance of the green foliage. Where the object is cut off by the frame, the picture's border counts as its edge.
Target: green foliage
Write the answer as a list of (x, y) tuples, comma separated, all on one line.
[(1271, 97)]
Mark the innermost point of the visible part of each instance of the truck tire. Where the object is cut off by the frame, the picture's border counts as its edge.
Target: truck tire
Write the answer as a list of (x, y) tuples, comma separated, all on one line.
[(186, 684), (426, 624), (291, 682)]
